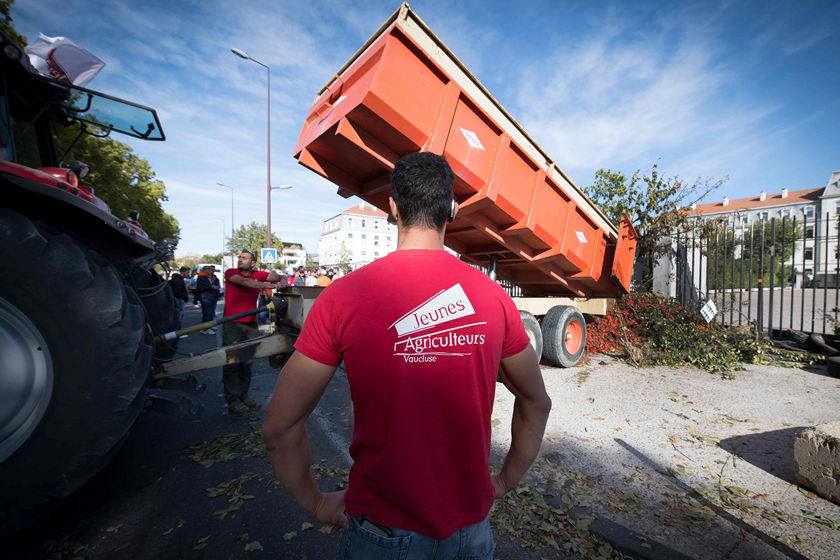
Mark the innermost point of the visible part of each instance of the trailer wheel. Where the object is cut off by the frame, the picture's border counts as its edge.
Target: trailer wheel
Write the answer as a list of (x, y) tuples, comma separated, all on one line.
[(564, 335), (532, 328), (84, 365)]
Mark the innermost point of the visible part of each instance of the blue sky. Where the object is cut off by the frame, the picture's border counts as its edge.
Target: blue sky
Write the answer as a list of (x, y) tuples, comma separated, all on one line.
[(744, 90)]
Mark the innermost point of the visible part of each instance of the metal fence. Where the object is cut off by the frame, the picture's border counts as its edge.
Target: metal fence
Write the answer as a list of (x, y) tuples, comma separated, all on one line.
[(778, 274)]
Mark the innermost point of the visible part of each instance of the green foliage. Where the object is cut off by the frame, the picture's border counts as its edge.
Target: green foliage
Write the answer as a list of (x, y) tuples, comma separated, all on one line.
[(6, 23), (653, 330), (652, 202), (205, 258), (736, 259), (252, 237), (121, 178)]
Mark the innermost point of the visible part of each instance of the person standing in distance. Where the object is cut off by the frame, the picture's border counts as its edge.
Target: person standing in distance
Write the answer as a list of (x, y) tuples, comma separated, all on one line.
[(179, 289), (422, 365), (243, 287), (207, 286)]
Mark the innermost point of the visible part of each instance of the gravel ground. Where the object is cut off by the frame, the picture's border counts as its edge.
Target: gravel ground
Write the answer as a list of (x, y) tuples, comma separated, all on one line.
[(700, 464)]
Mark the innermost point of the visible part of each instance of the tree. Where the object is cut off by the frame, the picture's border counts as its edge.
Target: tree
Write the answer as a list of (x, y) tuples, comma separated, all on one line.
[(6, 23), (121, 178), (343, 256), (252, 237), (739, 261), (654, 205)]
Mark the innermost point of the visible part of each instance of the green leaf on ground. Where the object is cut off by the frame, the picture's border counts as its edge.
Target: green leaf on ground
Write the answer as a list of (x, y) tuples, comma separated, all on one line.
[(289, 536), (253, 546)]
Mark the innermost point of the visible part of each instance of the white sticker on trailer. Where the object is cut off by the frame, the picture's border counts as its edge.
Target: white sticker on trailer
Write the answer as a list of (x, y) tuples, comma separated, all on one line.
[(580, 236), (471, 138)]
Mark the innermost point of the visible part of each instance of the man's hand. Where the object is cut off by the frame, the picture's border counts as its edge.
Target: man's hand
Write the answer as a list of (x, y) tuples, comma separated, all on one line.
[(330, 510), (499, 485)]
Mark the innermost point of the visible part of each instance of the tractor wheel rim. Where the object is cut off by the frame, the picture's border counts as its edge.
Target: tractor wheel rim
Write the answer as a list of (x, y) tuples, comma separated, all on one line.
[(26, 378), (573, 337)]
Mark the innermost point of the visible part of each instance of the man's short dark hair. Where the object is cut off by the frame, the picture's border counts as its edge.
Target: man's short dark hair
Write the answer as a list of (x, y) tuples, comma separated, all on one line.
[(421, 185), (253, 256)]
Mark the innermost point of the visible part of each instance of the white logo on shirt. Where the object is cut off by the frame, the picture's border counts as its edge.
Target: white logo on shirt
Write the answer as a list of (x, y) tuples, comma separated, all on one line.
[(444, 307)]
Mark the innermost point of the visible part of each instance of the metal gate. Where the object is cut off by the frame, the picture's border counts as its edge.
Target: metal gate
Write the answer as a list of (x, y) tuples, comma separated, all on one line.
[(778, 274)]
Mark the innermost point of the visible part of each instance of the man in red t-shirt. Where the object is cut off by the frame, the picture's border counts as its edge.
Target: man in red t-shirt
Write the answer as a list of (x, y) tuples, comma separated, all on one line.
[(421, 351), (242, 286)]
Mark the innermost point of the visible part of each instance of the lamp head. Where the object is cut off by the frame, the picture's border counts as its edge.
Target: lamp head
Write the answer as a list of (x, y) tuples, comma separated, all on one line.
[(240, 53)]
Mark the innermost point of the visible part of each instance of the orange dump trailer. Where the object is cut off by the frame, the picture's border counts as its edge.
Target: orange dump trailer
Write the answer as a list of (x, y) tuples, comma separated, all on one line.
[(521, 216)]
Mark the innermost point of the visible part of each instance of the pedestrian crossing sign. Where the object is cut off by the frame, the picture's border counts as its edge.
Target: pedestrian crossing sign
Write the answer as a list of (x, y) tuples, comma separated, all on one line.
[(268, 255)]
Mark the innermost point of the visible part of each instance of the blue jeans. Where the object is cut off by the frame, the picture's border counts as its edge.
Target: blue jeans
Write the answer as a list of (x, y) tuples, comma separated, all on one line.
[(180, 304), (470, 543), (208, 309)]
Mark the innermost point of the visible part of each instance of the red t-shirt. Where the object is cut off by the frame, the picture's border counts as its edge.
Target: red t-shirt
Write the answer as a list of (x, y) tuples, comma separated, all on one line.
[(421, 335), (239, 299)]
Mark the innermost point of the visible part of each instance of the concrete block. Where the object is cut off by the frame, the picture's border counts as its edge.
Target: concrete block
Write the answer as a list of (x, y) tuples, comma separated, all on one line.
[(816, 460)]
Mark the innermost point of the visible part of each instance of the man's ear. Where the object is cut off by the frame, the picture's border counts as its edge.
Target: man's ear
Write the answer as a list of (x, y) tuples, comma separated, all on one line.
[(454, 212), (395, 214)]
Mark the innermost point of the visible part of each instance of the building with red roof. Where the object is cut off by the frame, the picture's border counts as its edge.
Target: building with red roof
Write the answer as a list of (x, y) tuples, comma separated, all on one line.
[(815, 209), (357, 236)]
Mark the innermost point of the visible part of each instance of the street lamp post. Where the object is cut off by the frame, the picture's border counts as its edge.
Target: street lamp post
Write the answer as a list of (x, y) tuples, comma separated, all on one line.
[(242, 54), (232, 256)]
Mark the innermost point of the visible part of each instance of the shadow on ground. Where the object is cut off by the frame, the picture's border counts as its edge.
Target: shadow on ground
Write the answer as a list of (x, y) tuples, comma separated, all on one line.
[(771, 451)]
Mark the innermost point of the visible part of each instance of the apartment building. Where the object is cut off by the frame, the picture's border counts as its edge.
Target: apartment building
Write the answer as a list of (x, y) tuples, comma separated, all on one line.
[(359, 235), (817, 210)]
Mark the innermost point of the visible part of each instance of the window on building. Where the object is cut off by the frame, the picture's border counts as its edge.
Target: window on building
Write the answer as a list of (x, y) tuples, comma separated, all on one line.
[(376, 224), (786, 213), (837, 208), (364, 253), (376, 243), (765, 216), (809, 232), (364, 236), (376, 253), (809, 253), (809, 212), (349, 221), (363, 223), (388, 238), (745, 220), (350, 234)]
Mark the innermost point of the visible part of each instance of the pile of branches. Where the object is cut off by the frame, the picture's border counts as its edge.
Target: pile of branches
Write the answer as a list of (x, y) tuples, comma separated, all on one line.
[(647, 329)]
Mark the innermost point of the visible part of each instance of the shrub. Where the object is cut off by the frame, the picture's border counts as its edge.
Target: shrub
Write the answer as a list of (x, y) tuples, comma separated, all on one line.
[(652, 330)]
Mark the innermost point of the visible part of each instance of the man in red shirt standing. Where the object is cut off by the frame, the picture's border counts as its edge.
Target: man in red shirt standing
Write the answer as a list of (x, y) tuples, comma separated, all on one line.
[(421, 352), (243, 285)]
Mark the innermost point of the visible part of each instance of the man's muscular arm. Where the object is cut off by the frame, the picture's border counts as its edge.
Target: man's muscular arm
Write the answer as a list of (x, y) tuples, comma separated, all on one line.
[(522, 376), (243, 282), (296, 393)]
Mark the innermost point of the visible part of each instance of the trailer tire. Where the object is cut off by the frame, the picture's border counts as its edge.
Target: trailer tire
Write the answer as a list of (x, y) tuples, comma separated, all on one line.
[(564, 335), (532, 328), (94, 338)]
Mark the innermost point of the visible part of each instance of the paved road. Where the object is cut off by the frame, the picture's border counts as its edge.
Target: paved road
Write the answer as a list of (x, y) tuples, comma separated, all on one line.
[(805, 309)]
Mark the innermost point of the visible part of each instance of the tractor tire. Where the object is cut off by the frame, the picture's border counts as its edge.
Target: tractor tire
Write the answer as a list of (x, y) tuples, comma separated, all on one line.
[(532, 328), (82, 362), (564, 335), (161, 309)]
